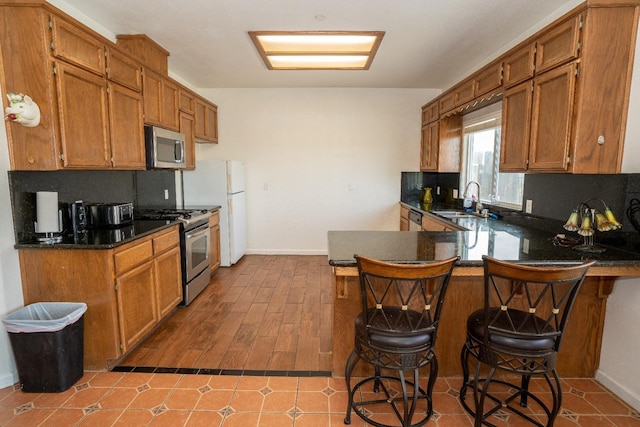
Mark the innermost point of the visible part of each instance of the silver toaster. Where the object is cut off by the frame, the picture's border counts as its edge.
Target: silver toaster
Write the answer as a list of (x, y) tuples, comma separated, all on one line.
[(110, 214)]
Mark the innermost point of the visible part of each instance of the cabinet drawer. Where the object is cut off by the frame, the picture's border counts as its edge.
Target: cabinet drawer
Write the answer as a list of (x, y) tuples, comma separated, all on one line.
[(165, 241), (128, 258), (76, 46)]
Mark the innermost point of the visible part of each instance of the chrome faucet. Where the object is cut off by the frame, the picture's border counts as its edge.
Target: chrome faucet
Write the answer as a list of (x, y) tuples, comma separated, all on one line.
[(478, 204)]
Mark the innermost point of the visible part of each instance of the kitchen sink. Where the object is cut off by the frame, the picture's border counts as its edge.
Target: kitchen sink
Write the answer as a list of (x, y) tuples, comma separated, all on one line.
[(455, 214)]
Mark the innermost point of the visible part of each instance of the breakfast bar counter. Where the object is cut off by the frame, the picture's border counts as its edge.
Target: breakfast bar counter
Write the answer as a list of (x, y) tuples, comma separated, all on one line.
[(580, 352)]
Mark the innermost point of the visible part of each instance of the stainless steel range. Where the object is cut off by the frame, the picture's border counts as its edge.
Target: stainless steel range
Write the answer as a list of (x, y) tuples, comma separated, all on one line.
[(195, 245)]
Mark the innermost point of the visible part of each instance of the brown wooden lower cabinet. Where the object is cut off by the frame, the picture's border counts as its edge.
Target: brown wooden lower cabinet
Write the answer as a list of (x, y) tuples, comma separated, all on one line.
[(129, 289), (579, 355), (214, 255)]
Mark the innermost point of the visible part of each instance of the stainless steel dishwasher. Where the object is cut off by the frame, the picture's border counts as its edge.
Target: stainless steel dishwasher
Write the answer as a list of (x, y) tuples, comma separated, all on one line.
[(415, 220)]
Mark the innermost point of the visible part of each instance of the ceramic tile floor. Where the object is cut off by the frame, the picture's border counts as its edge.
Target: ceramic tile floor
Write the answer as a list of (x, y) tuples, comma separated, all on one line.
[(161, 399)]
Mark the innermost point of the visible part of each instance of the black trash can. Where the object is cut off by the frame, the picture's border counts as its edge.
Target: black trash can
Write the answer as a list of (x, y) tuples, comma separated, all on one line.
[(47, 339)]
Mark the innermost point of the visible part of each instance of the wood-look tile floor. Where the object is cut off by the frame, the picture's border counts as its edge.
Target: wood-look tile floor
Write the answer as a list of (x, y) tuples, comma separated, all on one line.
[(269, 313)]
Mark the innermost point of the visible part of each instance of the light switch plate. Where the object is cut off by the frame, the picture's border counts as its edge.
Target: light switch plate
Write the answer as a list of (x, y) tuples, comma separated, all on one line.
[(528, 206)]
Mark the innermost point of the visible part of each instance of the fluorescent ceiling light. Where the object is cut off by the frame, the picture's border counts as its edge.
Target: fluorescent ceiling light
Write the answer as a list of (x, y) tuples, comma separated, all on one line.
[(317, 50)]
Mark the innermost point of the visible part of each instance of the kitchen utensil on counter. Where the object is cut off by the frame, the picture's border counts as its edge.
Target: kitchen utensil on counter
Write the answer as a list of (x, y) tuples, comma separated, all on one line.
[(110, 214), (79, 217), (48, 225)]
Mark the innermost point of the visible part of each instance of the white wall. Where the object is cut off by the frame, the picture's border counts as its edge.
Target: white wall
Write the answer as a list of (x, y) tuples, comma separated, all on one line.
[(318, 159), (10, 284)]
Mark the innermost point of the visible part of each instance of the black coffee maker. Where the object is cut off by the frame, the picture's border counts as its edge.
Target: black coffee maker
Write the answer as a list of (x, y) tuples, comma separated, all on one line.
[(78, 217)]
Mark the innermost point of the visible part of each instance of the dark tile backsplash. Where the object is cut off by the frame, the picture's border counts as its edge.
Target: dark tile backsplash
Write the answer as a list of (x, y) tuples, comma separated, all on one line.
[(553, 195), (412, 184), (142, 188)]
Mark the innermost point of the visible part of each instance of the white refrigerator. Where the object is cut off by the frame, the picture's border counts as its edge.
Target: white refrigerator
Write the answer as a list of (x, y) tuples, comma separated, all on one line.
[(220, 182)]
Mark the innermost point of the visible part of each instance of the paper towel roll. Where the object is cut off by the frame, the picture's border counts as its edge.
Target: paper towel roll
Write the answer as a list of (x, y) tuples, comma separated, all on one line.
[(47, 212)]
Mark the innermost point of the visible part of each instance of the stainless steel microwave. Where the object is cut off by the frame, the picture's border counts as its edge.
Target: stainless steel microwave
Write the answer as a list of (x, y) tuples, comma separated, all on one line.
[(165, 148)]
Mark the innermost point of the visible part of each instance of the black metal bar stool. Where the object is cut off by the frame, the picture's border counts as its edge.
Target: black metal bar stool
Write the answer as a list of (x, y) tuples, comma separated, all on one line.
[(396, 331), (518, 332)]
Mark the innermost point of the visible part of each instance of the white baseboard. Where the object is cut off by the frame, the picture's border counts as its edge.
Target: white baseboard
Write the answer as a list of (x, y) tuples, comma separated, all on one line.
[(288, 252), (629, 396), (8, 379)]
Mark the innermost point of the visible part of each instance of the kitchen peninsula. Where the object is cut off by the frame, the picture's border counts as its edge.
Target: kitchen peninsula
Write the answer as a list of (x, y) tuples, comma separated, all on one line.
[(500, 239)]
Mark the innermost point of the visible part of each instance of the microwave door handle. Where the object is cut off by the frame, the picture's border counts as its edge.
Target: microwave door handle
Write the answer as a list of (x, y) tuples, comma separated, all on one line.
[(178, 151)]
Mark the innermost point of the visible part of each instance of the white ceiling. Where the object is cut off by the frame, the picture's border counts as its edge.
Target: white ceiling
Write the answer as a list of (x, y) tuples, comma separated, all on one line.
[(428, 43)]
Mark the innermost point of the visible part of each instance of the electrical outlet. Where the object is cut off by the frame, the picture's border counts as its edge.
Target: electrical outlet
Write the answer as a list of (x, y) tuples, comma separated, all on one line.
[(438, 190), (455, 193), (166, 194), (528, 206), (525, 246)]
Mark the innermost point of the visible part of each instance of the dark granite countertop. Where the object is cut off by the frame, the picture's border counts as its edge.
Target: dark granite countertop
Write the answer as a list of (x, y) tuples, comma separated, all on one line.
[(517, 238), (105, 238)]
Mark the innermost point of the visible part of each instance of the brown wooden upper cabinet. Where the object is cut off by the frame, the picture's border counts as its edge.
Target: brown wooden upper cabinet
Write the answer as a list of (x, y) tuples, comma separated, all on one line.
[(441, 141), (160, 100), (186, 101), (74, 45), (519, 65), (488, 79), (90, 102), (573, 117), (206, 121)]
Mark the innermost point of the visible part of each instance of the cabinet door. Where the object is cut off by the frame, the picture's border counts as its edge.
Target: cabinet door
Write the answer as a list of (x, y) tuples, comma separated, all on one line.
[(449, 143), (127, 128), (488, 79), (429, 147), (124, 70), (187, 127), (516, 120), (152, 90), (559, 45), (519, 66), (74, 45), (447, 102), (206, 121), (169, 106), (430, 112), (186, 101), (82, 108), (551, 119), (169, 281), (137, 310), (404, 218), (465, 92), (215, 247)]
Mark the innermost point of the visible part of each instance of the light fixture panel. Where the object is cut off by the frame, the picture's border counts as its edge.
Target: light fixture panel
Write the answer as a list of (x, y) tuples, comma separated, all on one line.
[(321, 50)]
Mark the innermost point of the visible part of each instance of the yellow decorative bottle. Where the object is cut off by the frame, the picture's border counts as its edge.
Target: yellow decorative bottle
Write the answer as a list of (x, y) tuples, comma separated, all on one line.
[(427, 199)]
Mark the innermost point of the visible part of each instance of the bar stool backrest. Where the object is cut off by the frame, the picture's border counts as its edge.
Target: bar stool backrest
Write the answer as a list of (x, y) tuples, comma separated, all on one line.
[(526, 302)]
